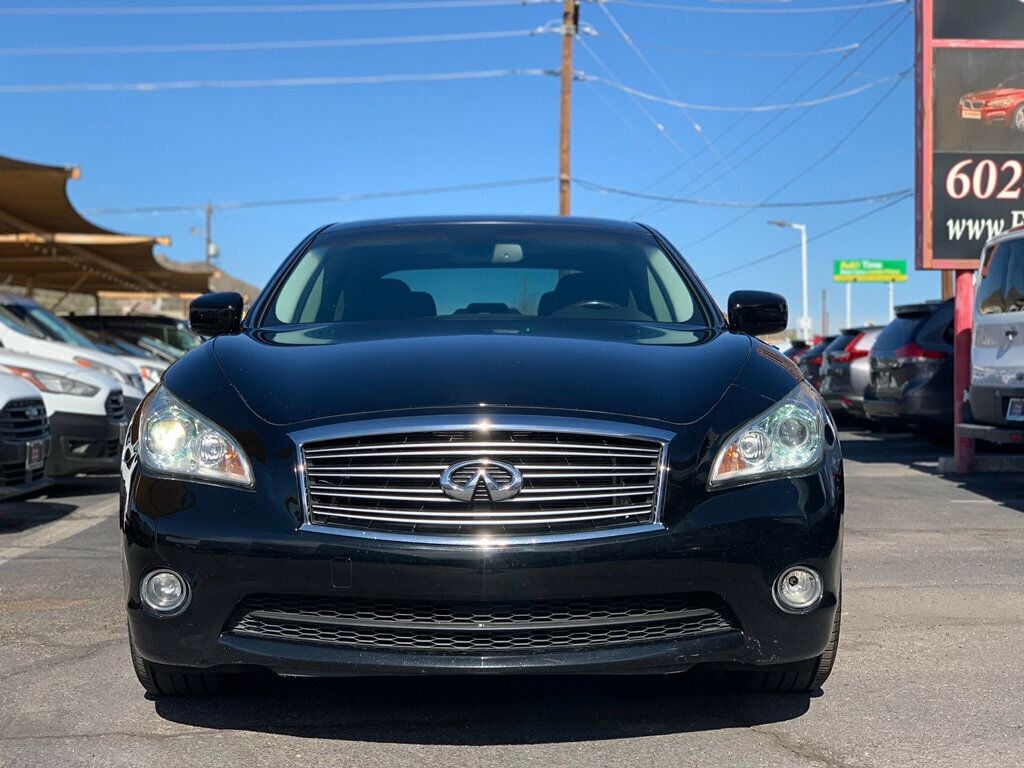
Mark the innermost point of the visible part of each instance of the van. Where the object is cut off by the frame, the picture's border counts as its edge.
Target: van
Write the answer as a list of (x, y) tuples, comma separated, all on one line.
[(997, 352)]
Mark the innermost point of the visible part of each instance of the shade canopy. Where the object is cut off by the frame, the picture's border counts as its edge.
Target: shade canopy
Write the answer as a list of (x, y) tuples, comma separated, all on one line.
[(46, 243)]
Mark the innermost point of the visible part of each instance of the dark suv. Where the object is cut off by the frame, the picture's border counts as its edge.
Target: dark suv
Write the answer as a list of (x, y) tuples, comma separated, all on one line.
[(811, 360), (912, 368), (845, 371)]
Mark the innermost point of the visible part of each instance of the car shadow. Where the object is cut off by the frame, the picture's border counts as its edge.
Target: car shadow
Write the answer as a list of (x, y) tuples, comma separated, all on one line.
[(52, 503), (480, 711)]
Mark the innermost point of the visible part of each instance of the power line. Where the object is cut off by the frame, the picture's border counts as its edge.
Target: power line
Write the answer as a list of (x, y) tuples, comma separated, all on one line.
[(283, 82), (751, 108), (800, 115), (818, 161), (343, 198), (90, 50), (840, 49), (819, 236), (650, 68), (757, 11), (197, 10), (876, 198), (657, 124), (764, 99)]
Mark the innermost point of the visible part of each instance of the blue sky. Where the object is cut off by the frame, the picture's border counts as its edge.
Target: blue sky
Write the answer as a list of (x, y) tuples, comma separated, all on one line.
[(199, 145)]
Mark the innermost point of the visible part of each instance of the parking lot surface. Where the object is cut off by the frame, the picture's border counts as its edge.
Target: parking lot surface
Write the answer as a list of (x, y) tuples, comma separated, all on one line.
[(929, 670)]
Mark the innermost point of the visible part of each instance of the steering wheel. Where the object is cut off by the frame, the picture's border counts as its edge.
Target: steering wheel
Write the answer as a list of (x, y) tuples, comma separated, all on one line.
[(593, 304)]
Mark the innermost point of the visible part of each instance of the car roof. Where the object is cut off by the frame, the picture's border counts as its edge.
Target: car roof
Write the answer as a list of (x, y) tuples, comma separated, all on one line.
[(611, 226)]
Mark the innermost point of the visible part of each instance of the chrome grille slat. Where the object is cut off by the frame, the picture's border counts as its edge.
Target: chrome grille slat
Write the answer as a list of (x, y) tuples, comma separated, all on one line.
[(572, 481), (455, 515), (475, 446), (484, 453)]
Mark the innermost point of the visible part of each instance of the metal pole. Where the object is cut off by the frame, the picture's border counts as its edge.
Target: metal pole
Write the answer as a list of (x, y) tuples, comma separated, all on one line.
[(963, 320), (570, 23), (824, 311), (892, 308), (849, 305), (208, 240), (805, 320)]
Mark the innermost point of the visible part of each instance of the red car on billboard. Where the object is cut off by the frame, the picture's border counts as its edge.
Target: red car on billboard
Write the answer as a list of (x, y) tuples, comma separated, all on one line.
[(1002, 105)]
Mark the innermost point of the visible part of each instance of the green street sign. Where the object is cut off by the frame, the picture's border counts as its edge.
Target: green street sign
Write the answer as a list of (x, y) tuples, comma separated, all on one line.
[(870, 271)]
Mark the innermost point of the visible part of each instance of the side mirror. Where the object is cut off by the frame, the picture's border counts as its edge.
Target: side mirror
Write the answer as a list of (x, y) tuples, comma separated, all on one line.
[(757, 313), (214, 314)]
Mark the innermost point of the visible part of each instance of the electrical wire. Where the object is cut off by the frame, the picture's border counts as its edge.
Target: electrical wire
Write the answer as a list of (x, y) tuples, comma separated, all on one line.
[(839, 49), (628, 40), (757, 11), (876, 198), (283, 82), (197, 10), (796, 118), (819, 236), (276, 45), (751, 108), (814, 164), (657, 124), (344, 198)]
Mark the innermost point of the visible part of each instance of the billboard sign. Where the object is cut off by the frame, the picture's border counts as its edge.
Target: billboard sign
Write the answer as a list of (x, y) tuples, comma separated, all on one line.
[(869, 271), (970, 120)]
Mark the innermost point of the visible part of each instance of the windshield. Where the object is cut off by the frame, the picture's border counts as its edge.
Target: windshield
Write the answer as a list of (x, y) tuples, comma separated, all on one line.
[(13, 322), (446, 273), (51, 325)]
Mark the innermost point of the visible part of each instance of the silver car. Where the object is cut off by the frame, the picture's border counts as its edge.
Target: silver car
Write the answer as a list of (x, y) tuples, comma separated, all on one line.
[(846, 371), (997, 354)]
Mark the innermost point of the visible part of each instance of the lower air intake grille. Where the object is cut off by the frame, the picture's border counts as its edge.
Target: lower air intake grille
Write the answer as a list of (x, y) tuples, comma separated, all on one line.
[(480, 627)]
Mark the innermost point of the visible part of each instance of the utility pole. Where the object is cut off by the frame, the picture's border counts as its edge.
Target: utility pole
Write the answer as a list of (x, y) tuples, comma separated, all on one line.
[(824, 311), (208, 239), (570, 23), (849, 305)]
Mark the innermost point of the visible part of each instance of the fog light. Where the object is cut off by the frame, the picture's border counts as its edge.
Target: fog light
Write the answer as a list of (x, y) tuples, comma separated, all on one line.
[(798, 590), (164, 591)]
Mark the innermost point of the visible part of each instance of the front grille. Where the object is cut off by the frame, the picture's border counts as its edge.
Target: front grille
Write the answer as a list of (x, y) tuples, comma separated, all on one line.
[(23, 420), (467, 627), (571, 482), (115, 406), (974, 104)]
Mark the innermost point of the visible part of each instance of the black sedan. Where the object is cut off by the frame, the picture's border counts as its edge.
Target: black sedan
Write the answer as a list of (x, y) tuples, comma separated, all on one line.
[(440, 446)]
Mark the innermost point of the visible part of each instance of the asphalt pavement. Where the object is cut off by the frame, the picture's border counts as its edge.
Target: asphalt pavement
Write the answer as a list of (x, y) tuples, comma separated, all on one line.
[(930, 669)]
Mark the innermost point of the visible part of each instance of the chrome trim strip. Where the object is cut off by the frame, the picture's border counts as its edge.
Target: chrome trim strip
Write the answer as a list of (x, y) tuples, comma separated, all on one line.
[(484, 422)]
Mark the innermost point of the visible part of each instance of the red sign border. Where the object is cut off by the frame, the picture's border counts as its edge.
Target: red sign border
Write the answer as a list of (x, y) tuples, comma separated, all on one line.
[(924, 166)]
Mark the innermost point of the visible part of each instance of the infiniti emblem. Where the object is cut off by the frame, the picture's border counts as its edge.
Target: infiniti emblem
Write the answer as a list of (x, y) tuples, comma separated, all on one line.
[(481, 480)]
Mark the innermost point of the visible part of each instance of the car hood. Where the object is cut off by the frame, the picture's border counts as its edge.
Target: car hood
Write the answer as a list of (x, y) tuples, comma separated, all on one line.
[(659, 372), (994, 93)]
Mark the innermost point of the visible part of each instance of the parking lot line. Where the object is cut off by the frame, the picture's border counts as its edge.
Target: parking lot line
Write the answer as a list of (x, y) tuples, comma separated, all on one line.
[(81, 520)]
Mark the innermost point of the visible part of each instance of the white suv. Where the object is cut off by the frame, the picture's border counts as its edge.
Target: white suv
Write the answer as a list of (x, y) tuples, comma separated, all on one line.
[(24, 438), (17, 336), (997, 354), (86, 411)]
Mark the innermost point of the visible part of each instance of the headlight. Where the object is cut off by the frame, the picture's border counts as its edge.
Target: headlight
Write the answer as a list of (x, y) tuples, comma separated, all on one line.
[(106, 370), (787, 439), (177, 441), (51, 382), (997, 103)]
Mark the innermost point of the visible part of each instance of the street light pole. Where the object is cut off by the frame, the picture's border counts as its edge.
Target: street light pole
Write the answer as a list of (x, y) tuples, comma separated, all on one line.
[(804, 325), (849, 305)]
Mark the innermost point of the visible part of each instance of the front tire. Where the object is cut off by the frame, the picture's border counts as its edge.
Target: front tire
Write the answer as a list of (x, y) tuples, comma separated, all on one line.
[(1018, 119), (162, 680), (799, 677)]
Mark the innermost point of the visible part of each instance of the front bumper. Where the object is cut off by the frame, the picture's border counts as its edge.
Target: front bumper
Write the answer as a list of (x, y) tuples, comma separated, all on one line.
[(83, 443), (730, 546)]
